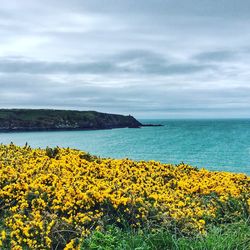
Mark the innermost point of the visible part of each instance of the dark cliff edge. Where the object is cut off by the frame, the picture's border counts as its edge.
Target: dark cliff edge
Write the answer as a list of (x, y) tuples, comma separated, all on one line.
[(12, 120)]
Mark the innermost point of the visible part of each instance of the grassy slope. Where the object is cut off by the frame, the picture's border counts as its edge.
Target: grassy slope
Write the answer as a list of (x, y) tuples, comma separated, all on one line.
[(234, 236), (34, 114)]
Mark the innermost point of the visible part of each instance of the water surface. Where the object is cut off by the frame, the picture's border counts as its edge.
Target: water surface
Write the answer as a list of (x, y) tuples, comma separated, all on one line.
[(214, 144)]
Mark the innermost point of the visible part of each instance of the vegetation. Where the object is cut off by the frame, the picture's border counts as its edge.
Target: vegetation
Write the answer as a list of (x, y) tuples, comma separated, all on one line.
[(66, 199), (44, 119), (230, 236)]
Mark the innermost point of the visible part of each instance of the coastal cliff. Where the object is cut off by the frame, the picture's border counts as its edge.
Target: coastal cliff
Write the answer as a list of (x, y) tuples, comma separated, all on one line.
[(48, 119)]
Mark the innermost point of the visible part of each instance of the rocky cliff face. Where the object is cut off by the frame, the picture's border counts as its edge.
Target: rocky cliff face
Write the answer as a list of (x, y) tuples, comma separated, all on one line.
[(39, 120)]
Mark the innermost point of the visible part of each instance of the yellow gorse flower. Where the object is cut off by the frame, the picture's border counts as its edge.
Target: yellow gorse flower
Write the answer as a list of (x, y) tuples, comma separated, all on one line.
[(67, 195)]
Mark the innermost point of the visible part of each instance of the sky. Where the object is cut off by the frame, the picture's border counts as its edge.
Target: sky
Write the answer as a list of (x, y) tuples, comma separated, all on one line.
[(147, 58)]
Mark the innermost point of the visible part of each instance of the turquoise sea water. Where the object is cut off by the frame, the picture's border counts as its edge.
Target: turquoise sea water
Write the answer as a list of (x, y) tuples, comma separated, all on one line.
[(214, 144)]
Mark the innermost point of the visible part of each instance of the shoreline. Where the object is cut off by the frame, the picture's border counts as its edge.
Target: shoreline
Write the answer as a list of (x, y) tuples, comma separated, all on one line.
[(72, 129)]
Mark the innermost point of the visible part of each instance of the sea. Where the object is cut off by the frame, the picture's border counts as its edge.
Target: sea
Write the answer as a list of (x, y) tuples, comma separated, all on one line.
[(220, 145)]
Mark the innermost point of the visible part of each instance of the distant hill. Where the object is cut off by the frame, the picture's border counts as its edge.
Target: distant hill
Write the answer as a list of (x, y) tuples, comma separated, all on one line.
[(48, 119)]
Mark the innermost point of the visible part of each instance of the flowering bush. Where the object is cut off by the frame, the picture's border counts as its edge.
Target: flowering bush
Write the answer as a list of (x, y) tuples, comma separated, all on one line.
[(56, 198)]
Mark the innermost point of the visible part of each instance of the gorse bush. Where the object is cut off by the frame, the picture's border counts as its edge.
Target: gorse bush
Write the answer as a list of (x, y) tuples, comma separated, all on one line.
[(63, 198)]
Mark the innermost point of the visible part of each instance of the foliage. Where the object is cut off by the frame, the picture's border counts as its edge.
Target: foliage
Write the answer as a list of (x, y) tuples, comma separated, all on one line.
[(231, 237), (52, 152), (64, 198)]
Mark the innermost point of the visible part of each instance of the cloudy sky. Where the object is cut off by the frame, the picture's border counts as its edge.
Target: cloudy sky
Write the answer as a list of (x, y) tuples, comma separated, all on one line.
[(148, 58)]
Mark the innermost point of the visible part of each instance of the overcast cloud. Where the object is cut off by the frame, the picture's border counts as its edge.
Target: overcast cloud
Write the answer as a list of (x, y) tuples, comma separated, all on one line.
[(148, 58)]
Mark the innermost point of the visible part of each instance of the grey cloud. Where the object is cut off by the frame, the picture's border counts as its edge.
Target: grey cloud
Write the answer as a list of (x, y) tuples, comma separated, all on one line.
[(220, 8), (84, 95), (222, 55), (140, 62), (144, 55), (146, 58), (41, 67)]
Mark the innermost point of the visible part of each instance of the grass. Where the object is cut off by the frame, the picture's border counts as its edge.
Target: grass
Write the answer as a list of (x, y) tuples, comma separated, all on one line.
[(234, 236)]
